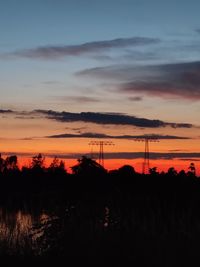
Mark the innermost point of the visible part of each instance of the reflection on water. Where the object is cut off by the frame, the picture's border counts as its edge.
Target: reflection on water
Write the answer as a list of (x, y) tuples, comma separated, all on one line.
[(20, 230), (106, 218), (27, 233)]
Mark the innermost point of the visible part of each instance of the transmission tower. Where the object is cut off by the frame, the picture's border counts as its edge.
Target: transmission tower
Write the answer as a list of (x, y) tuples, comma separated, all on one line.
[(101, 145), (146, 140)]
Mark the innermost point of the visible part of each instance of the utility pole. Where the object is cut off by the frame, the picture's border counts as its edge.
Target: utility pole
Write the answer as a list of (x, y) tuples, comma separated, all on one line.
[(146, 162), (101, 145)]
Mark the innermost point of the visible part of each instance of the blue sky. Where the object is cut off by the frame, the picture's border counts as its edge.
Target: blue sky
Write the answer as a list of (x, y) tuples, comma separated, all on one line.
[(26, 23), (29, 79)]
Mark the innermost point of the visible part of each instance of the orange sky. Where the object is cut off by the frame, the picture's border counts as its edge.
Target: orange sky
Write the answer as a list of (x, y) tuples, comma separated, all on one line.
[(110, 164), (28, 137)]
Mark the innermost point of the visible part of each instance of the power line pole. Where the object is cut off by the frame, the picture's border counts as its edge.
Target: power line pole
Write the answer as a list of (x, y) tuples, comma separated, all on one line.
[(101, 145), (146, 140)]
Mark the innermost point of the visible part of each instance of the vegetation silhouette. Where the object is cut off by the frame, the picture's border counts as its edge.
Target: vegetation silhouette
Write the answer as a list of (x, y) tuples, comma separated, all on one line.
[(106, 218)]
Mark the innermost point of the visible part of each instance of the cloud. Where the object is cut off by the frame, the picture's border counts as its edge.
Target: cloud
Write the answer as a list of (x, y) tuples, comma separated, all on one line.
[(116, 155), (79, 99), (180, 80), (109, 119), (54, 52), (135, 98), (82, 135), (76, 129), (53, 82), (189, 159), (153, 155), (3, 111), (197, 30), (176, 150), (103, 136), (26, 117)]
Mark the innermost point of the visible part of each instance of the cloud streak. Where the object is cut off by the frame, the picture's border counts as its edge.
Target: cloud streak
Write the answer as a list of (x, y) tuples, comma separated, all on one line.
[(78, 99), (135, 98), (118, 155), (128, 137), (109, 119), (153, 155), (56, 52)]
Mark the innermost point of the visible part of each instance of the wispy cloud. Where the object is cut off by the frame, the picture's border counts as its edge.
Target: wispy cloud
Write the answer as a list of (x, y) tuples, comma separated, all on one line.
[(103, 136), (189, 159), (109, 118), (54, 52), (153, 155), (78, 99), (53, 82), (180, 80), (135, 98)]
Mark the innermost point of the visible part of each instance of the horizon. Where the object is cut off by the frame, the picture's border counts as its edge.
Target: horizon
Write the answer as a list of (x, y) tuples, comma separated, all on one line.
[(110, 164)]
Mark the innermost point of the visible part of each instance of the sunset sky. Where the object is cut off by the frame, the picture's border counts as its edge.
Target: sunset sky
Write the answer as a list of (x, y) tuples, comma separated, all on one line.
[(72, 71)]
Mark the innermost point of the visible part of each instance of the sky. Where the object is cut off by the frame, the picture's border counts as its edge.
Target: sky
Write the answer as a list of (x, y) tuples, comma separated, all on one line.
[(118, 70)]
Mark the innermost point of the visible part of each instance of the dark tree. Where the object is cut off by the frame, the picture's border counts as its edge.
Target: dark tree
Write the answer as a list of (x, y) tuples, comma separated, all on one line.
[(37, 162), (87, 166), (192, 169)]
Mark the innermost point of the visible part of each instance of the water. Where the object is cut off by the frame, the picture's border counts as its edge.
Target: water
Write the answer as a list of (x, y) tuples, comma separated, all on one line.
[(26, 232), (93, 231), (21, 231)]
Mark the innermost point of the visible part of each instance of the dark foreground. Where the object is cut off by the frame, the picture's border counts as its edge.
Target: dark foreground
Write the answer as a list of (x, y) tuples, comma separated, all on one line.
[(95, 218)]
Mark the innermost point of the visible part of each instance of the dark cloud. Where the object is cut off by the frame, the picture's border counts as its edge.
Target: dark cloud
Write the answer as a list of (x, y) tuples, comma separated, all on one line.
[(168, 80), (129, 137), (53, 52), (81, 135), (3, 111), (198, 30), (109, 118)]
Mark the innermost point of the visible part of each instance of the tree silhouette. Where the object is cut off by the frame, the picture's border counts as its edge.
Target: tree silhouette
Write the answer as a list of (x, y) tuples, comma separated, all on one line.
[(11, 163), (37, 162), (126, 170), (172, 172), (87, 166), (192, 169), (55, 163), (2, 164), (57, 166), (153, 171)]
